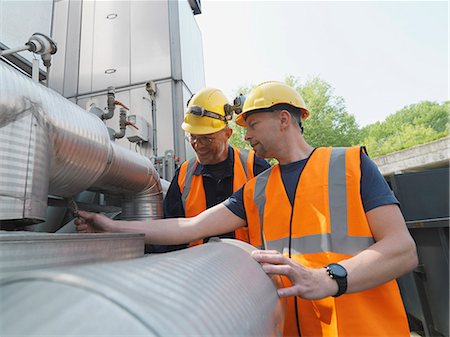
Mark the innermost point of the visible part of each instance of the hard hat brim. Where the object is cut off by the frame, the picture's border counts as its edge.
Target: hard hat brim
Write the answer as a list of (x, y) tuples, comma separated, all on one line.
[(200, 130), (240, 120)]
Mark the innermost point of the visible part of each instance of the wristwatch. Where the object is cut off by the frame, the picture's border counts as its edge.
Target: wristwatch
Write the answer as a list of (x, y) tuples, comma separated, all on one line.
[(339, 274)]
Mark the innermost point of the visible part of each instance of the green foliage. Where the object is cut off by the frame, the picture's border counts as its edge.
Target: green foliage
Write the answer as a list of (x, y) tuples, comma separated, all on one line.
[(413, 125), (238, 137), (329, 123)]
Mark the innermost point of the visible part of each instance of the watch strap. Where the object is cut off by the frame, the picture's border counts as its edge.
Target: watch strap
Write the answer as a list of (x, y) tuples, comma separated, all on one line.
[(340, 280), (342, 286)]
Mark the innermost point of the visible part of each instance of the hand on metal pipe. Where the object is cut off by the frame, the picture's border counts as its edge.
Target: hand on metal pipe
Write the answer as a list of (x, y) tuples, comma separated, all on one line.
[(88, 222), (73, 207), (308, 283)]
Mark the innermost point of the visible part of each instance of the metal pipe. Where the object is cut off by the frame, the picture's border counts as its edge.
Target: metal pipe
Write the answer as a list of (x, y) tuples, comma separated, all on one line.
[(151, 90), (14, 50), (122, 124), (154, 129), (215, 289), (50, 145), (111, 103)]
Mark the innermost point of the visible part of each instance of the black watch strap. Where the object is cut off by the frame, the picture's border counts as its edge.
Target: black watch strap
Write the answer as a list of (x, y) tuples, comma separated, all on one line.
[(342, 284), (339, 274)]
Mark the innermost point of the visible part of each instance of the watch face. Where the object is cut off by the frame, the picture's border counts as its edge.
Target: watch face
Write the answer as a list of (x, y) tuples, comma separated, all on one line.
[(337, 270)]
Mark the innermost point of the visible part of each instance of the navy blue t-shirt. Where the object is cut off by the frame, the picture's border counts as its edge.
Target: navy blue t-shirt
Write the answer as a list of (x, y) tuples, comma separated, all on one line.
[(217, 182), (375, 191), (218, 185)]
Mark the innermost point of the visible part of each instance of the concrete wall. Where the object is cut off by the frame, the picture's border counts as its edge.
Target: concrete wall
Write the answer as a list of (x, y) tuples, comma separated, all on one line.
[(430, 155)]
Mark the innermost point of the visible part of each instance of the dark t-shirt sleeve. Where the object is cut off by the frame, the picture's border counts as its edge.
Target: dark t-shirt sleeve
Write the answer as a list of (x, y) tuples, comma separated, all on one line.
[(375, 191), (235, 203)]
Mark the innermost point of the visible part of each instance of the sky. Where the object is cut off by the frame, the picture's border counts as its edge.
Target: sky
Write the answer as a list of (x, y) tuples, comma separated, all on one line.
[(380, 56)]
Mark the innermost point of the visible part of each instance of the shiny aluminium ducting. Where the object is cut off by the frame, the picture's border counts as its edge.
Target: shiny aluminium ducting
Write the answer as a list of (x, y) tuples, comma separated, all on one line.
[(215, 289), (49, 145)]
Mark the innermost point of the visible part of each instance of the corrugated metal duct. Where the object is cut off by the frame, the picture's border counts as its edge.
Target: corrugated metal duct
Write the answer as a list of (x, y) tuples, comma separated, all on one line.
[(50, 145), (216, 289)]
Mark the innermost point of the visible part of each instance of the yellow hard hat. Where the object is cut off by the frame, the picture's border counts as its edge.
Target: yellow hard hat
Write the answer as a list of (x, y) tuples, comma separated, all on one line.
[(207, 112), (267, 96)]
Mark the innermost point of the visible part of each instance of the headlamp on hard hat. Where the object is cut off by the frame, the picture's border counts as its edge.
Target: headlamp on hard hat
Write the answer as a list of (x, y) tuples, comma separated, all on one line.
[(238, 103), (199, 111)]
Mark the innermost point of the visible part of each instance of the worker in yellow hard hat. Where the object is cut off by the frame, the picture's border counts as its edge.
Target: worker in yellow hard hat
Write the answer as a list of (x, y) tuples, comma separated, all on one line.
[(324, 217), (218, 169)]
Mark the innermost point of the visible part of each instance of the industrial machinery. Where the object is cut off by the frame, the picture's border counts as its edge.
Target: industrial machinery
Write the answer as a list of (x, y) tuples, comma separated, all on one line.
[(216, 289), (419, 177), (95, 125)]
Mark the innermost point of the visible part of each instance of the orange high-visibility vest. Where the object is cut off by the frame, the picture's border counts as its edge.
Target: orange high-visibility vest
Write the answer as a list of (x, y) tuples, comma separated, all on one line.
[(193, 194), (328, 225)]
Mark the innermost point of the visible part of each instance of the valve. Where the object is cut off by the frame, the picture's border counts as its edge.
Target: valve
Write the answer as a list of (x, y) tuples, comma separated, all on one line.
[(42, 45)]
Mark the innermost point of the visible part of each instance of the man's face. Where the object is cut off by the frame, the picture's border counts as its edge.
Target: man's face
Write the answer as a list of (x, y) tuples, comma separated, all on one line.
[(211, 148), (261, 133)]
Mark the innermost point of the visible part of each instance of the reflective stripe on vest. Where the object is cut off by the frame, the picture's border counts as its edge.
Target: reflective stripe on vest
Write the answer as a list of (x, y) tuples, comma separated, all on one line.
[(193, 194), (243, 171), (191, 165), (243, 157), (338, 240)]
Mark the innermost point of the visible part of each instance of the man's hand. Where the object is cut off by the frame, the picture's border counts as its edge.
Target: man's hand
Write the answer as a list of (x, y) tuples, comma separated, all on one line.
[(88, 222), (308, 283)]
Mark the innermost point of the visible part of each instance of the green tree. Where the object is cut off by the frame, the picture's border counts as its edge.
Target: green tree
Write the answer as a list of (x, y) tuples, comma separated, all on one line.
[(413, 125), (329, 123), (237, 138)]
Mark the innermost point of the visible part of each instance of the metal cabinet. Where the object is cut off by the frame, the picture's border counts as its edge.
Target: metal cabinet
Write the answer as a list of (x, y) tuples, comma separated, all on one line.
[(424, 199)]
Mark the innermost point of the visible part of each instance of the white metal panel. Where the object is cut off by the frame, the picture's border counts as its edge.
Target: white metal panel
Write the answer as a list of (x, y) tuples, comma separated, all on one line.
[(164, 117), (21, 19), (189, 150), (192, 65), (59, 32), (72, 58), (150, 42), (86, 48), (140, 103), (66, 33), (111, 50)]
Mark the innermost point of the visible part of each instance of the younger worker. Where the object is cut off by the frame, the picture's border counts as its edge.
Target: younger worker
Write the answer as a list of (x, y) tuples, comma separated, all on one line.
[(325, 217)]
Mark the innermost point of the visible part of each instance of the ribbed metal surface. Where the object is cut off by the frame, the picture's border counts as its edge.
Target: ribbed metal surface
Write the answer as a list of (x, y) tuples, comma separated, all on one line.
[(23, 251), (135, 177), (50, 145), (24, 161), (79, 141), (216, 289), (146, 205), (128, 172)]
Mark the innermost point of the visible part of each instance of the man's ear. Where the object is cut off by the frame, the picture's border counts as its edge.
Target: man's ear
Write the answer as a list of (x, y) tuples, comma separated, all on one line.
[(228, 132), (285, 118)]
